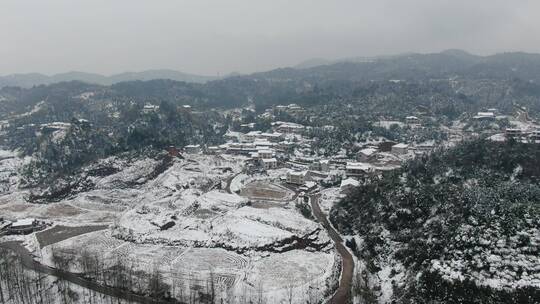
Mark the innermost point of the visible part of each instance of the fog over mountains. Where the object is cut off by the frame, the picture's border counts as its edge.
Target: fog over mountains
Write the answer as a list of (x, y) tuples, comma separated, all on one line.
[(447, 63), (32, 79)]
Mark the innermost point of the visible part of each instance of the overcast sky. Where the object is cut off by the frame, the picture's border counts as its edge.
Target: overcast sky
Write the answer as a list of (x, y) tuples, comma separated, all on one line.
[(222, 36)]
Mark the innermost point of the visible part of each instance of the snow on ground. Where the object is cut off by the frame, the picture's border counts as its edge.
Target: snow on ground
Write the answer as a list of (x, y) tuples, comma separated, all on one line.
[(329, 197), (184, 222), (388, 123), (238, 182)]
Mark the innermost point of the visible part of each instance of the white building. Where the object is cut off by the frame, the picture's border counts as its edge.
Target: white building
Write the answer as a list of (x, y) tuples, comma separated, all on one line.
[(297, 177), (412, 120), (357, 169), (265, 154), (288, 127), (367, 154), (513, 132), (150, 108), (484, 116), (269, 163)]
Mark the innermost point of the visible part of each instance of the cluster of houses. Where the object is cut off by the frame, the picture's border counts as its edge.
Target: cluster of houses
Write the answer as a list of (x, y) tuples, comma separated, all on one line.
[(532, 136)]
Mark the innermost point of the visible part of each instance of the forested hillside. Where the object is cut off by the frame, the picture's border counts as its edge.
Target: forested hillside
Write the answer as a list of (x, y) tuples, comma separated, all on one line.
[(459, 226)]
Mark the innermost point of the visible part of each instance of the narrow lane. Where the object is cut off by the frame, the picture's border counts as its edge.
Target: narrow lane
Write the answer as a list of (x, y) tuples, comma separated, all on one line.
[(28, 262), (343, 293)]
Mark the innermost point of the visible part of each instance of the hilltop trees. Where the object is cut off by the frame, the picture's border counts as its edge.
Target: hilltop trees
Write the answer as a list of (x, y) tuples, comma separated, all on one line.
[(450, 214)]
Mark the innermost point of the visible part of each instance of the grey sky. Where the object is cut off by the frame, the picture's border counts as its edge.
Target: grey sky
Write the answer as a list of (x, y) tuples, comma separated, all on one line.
[(221, 36)]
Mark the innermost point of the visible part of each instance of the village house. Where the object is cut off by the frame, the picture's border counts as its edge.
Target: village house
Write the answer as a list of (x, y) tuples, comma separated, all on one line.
[(400, 148), (288, 127), (269, 163), (263, 143), (484, 116), (513, 133), (291, 109), (348, 184), (367, 155), (425, 147), (272, 137), (297, 177), (252, 135), (308, 186), (265, 154), (535, 135), (354, 169), (150, 108), (493, 110), (412, 120), (320, 165), (214, 150), (186, 108)]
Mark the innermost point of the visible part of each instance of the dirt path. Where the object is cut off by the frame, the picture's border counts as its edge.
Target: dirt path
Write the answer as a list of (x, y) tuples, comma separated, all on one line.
[(28, 261), (343, 293)]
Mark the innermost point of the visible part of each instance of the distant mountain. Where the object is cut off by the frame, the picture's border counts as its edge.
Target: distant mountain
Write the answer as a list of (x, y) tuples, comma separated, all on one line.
[(310, 63), (33, 79), (413, 67)]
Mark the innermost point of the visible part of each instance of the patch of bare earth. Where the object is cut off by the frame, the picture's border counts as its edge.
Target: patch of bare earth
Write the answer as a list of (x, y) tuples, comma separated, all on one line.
[(60, 233), (266, 191)]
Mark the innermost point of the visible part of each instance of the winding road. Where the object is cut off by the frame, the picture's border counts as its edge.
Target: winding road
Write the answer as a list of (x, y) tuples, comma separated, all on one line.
[(343, 293), (28, 261)]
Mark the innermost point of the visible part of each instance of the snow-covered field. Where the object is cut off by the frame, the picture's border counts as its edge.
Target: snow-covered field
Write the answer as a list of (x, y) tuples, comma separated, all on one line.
[(185, 222)]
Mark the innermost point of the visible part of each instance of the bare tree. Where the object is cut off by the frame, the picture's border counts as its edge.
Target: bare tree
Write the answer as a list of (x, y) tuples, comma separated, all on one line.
[(290, 292)]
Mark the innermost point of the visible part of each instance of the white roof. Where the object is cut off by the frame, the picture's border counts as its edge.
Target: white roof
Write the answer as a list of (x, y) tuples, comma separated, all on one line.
[(266, 151), (486, 114), (288, 124), (23, 222), (275, 134), (368, 151), (310, 184), (192, 146), (400, 146), (297, 173), (349, 182), (269, 160), (358, 166)]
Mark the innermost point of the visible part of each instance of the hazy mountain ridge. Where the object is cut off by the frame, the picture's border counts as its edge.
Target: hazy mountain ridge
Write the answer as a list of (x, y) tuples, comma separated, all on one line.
[(34, 79), (415, 66), (409, 66)]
